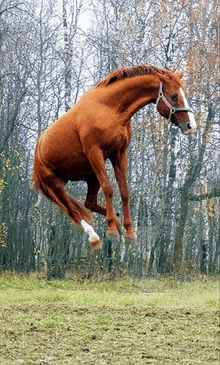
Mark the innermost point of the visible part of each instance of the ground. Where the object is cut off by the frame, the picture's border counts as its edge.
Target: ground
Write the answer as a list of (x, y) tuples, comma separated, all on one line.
[(163, 321)]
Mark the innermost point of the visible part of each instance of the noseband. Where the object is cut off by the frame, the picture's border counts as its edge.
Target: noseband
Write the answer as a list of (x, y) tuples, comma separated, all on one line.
[(171, 108)]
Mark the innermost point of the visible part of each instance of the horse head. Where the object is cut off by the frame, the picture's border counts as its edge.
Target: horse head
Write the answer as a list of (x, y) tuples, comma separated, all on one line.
[(172, 103)]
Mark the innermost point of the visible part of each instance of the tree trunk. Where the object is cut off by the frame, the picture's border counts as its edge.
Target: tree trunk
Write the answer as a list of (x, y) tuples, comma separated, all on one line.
[(67, 59), (192, 175)]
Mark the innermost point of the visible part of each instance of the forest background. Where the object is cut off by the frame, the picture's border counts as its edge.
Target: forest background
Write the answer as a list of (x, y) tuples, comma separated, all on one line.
[(51, 53)]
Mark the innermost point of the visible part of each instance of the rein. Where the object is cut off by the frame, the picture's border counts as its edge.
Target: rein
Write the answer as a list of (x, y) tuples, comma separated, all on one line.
[(171, 108)]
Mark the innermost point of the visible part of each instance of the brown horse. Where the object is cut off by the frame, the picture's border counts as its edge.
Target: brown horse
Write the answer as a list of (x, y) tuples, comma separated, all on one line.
[(76, 146)]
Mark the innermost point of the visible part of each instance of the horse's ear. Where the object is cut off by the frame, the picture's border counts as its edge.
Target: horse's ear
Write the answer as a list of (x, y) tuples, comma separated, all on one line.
[(163, 78), (180, 74)]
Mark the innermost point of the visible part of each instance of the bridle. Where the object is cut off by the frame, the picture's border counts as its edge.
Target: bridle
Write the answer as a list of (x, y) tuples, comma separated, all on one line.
[(172, 108)]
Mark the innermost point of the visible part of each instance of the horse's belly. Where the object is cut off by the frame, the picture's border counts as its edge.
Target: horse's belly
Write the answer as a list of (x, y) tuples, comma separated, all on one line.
[(73, 164)]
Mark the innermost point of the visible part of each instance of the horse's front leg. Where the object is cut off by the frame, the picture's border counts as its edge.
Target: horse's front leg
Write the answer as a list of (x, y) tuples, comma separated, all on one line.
[(120, 163), (96, 159)]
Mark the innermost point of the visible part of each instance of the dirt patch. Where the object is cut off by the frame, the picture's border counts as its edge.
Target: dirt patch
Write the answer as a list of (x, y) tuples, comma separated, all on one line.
[(63, 334)]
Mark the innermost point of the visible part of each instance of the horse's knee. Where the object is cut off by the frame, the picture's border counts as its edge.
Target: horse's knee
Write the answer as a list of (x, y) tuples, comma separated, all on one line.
[(108, 191), (88, 204), (125, 198), (127, 224), (91, 200)]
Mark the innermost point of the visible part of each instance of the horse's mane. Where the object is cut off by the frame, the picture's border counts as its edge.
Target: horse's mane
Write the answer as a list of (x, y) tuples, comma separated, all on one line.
[(132, 72)]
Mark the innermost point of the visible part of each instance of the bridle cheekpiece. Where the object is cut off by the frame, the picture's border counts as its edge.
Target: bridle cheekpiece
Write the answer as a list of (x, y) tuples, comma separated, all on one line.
[(171, 108)]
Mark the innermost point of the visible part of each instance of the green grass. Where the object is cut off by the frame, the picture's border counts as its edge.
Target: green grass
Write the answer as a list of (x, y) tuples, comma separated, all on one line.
[(122, 322)]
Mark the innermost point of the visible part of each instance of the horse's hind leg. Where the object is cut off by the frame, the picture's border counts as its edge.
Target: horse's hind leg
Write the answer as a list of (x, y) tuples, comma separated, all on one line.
[(53, 188)]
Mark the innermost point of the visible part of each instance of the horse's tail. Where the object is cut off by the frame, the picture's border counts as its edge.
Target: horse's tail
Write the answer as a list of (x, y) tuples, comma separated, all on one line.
[(46, 182), (39, 167), (35, 182)]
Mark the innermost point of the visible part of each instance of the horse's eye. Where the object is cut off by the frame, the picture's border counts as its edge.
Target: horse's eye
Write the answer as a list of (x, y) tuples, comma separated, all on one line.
[(174, 98)]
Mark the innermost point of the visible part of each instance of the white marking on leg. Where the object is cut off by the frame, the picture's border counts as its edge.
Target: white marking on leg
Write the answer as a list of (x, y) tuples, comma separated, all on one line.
[(93, 237), (192, 121)]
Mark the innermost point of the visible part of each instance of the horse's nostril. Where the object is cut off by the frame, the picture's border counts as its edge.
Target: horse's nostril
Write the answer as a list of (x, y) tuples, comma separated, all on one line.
[(189, 126)]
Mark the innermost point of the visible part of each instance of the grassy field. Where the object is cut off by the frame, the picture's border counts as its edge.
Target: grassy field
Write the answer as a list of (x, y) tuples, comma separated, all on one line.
[(117, 323)]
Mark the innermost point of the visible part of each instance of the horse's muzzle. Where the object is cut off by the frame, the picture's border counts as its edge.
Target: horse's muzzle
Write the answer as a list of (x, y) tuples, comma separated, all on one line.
[(187, 127)]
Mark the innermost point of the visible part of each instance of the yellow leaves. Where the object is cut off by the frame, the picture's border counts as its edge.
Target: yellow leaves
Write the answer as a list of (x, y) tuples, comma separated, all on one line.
[(211, 202), (211, 211), (9, 165), (2, 185), (3, 234)]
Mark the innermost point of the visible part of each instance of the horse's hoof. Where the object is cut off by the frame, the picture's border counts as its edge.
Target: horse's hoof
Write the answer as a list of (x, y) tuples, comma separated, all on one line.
[(113, 237), (131, 241), (97, 245)]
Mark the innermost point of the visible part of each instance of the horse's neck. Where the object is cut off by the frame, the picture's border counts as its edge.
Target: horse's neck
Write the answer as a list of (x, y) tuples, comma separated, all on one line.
[(128, 96)]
